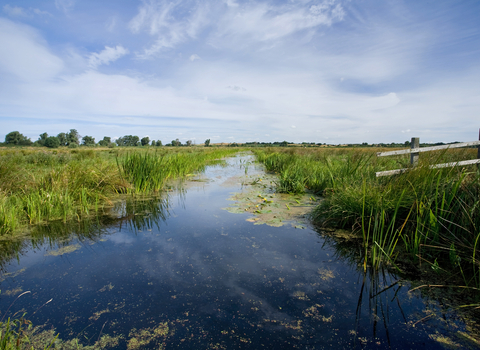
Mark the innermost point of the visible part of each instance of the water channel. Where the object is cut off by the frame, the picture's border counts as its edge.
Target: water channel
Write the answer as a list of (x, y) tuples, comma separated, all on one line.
[(218, 264)]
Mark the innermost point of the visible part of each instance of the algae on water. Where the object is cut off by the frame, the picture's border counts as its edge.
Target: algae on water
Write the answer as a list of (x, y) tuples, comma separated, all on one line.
[(268, 207), (64, 250)]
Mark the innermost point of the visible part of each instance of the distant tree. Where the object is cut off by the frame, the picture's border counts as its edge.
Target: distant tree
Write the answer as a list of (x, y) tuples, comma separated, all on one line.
[(105, 142), (52, 142), (15, 138), (119, 141), (127, 141), (73, 137), (145, 141), (62, 138), (42, 138), (153, 143), (88, 141), (207, 143), (176, 142), (159, 143), (133, 141), (284, 144), (189, 142)]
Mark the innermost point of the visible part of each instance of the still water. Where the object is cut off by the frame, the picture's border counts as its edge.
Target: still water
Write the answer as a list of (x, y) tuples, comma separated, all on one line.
[(194, 269)]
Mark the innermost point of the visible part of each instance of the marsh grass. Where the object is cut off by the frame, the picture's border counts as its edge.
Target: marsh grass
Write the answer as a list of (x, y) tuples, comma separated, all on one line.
[(38, 186), (429, 217), (149, 171)]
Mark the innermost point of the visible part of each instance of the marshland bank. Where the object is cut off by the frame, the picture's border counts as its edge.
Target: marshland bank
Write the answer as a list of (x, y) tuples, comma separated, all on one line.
[(423, 221), (308, 299), (429, 217), (39, 186)]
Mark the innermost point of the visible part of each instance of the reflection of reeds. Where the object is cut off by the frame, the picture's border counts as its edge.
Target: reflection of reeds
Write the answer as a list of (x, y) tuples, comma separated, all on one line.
[(140, 213), (43, 186), (433, 215)]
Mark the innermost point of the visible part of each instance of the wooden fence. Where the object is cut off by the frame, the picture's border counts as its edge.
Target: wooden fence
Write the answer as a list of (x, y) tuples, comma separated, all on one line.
[(415, 150)]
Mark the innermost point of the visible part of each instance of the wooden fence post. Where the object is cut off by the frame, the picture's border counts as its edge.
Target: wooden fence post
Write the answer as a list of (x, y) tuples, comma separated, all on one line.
[(478, 153), (414, 156)]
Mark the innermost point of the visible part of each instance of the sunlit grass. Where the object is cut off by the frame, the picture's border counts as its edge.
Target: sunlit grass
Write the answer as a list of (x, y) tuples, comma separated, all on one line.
[(38, 186), (429, 216)]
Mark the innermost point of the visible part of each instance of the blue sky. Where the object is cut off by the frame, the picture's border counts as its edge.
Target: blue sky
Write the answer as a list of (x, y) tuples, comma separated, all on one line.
[(332, 71)]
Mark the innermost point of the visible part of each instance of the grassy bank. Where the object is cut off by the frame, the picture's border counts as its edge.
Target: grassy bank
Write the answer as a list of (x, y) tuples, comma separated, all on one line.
[(37, 186), (429, 217)]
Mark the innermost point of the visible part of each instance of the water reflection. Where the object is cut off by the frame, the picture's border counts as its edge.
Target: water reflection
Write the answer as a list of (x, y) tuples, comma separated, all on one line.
[(182, 272), (134, 212)]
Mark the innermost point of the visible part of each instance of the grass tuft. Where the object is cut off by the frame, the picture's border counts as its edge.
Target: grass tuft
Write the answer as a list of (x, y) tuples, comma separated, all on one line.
[(428, 216)]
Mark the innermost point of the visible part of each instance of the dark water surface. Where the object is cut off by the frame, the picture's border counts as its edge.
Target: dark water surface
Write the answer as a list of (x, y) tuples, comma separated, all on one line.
[(181, 272)]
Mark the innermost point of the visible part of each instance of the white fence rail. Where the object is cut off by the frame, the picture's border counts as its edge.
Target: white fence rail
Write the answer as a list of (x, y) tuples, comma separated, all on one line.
[(414, 155)]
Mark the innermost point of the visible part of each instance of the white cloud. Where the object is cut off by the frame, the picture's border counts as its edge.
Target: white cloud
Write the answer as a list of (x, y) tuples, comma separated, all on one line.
[(106, 56), (162, 19), (231, 3), (24, 54), (264, 67), (261, 22), (65, 5), (194, 57), (14, 11), (111, 24), (176, 22), (40, 12), (236, 88)]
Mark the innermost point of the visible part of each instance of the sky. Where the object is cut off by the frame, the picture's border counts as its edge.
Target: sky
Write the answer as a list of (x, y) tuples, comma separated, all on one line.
[(329, 71)]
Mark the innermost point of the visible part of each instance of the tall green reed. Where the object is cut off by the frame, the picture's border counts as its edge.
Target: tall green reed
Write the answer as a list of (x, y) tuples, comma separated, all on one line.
[(149, 171), (40, 186), (429, 216)]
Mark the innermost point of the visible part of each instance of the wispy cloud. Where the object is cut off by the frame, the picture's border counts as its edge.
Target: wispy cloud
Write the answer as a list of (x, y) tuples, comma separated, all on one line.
[(65, 5), (262, 22), (106, 56), (300, 70), (14, 11), (170, 22), (111, 24), (17, 11), (194, 57), (174, 23), (24, 55), (236, 88), (40, 12)]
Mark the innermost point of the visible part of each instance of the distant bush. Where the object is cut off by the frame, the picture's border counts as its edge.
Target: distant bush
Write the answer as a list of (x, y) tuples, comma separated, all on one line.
[(52, 142)]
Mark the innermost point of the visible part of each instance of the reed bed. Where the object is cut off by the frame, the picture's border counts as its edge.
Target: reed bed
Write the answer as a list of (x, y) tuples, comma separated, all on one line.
[(41, 186), (429, 217), (149, 171)]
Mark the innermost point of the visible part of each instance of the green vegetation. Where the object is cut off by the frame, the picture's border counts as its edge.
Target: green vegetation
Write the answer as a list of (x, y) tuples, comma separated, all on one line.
[(52, 142), (40, 186), (15, 138), (148, 171), (88, 141), (429, 217), (20, 334)]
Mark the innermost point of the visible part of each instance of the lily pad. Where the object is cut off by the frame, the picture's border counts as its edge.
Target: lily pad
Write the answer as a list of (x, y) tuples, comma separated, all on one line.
[(269, 207)]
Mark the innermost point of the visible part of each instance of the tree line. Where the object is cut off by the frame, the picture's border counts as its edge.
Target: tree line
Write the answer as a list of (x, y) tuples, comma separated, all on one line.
[(73, 139)]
